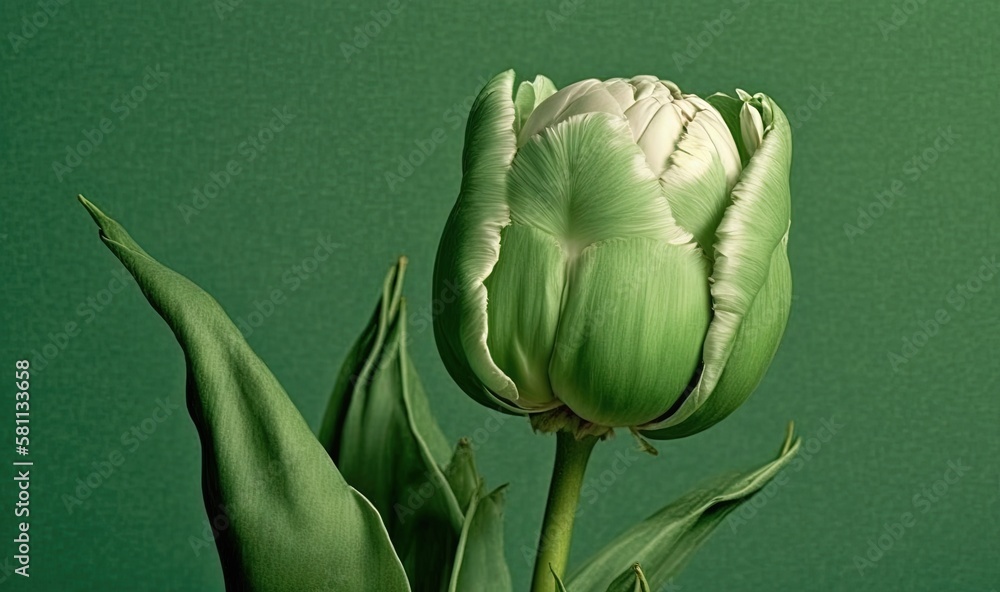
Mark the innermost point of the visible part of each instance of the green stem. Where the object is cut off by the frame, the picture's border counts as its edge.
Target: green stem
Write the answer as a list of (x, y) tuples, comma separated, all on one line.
[(560, 510)]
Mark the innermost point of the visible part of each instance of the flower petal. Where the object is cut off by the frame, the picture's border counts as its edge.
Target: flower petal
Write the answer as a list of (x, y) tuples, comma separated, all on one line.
[(753, 349), (632, 327), (751, 127), (550, 109), (524, 298), (695, 185), (470, 246), (585, 181), (751, 229), (529, 96), (660, 134)]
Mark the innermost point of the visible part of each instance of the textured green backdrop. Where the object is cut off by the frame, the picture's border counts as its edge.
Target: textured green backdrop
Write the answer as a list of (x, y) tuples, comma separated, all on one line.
[(894, 109)]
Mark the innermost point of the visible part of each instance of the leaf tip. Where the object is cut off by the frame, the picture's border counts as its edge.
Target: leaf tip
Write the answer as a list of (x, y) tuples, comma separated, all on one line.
[(93, 210)]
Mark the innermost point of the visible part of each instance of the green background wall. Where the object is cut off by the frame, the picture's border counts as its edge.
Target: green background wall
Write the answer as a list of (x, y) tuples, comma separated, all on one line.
[(869, 91)]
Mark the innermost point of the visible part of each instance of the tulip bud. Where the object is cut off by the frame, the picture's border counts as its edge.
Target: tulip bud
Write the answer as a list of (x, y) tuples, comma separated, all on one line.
[(617, 252)]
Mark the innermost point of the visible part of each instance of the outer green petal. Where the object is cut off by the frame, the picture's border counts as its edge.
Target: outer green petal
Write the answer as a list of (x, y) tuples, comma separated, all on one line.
[(530, 95), (470, 246), (585, 180), (635, 316), (746, 239), (301, 527), (754, 348), (695, 184), (525, 295)]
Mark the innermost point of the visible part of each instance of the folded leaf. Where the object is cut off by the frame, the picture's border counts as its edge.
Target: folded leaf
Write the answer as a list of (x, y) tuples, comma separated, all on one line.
[(462, 475), (380, 432), (294, 522), (479, 564), (632, 580), (665, 541)]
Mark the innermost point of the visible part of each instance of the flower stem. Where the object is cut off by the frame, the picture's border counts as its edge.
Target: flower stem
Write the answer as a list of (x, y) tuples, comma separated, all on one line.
[(560, 509)]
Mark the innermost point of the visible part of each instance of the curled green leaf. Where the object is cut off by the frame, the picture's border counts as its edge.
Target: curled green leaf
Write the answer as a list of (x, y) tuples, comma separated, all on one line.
[(665, 541)]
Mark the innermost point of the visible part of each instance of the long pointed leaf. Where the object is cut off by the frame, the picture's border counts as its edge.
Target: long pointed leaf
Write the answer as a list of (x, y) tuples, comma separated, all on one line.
[(294, 522), (665, 541)]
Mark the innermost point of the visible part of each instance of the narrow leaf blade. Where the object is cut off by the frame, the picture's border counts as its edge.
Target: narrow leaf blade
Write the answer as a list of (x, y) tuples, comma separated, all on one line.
[(631, 580), (480, 563), (665, 541), (294, 523)]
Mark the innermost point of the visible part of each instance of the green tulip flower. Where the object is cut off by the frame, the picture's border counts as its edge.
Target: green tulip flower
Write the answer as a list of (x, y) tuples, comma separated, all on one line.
[(617, 254)]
